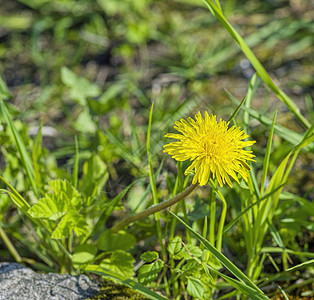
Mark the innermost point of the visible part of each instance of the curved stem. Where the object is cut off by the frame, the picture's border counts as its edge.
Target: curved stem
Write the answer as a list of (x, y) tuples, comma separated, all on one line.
[(154, 208)]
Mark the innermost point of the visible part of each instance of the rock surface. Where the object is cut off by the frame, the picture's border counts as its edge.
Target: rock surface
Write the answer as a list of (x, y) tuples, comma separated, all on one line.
[(21, 283)]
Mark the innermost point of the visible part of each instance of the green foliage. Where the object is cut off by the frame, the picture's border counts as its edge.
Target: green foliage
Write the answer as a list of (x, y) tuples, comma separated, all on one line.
[(195, 287), (120, 262), (63, 205), (149, 256), (149, 272), (109, 241), (84, 254), (81, 146)]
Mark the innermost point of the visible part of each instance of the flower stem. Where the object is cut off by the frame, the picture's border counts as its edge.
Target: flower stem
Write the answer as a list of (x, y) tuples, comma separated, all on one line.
[(154, 208)]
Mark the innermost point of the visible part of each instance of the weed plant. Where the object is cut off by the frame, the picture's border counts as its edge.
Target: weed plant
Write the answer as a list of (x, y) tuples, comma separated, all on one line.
[(89, 190)]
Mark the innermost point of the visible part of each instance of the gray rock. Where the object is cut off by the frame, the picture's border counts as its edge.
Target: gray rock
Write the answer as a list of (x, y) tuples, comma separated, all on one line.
[(20, 283)]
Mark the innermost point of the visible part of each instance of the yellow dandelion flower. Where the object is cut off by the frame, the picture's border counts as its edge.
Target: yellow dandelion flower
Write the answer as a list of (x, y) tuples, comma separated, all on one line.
[(212, 147)]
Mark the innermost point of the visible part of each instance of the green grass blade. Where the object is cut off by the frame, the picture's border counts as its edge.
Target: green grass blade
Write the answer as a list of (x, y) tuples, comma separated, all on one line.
[(122, 150), (252, 293), (10, 246), (16, 198), (107, 212), (27, 162), (306, 264), (76, 162), (279, 250), (284, 293), (153, 182), (262, 73), (36, 155), (238, 107), (243, 212), (286, 134), (223, 260), (128, 282), (276, 236), (307, 139), (267, 154)]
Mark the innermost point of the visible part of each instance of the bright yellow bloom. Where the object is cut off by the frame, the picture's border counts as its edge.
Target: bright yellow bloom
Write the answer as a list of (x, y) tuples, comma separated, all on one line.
[(213, 148)]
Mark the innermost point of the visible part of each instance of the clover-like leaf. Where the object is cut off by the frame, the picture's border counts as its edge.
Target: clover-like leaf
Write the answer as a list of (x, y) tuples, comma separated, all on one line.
[(195, 287), (81, 88), (56, 204), (109, 241), (84, 254), (50, 207), (149, 272), (149, 256), (188, 252), (65, 187), (120, 262), (175, 245)]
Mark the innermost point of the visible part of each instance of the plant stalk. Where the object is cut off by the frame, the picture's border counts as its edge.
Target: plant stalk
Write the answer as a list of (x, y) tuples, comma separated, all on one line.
[(154, 208)]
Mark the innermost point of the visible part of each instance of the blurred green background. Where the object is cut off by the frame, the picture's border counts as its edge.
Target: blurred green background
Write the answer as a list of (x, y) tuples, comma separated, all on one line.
[(93, 68)]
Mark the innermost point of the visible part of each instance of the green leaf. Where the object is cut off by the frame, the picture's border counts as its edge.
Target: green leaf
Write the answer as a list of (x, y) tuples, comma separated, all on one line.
[(85, 123), (120, 262), (175, 245), (84, 254), (110, 241), (81, 88), (195, 287), (149, 272), (55, 205), (51, 207), (191, 266), (149, 256), (72, 221), (188, 252), (64, 186)]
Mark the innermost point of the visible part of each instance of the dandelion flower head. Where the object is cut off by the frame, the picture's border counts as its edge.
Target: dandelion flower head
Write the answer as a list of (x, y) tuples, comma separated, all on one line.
[(212, 147)]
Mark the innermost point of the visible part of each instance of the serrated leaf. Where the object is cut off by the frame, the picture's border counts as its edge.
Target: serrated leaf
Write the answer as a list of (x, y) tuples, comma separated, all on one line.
[(60, 186), (84, 254), (120, 262), (191, 266), (149, 272), (72, 221), (51, 207), (149, 256), (81, 88), (175, 245), (195, 287), (55, 205), (110, 241), (188, 252)]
